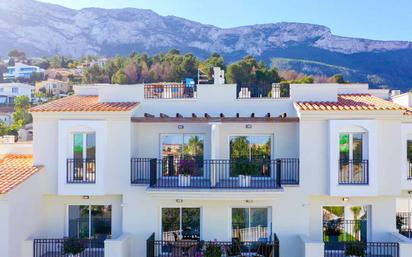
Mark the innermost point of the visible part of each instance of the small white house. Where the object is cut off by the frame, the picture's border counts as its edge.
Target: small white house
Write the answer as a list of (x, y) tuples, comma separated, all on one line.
[(20, 70), (8, 91)]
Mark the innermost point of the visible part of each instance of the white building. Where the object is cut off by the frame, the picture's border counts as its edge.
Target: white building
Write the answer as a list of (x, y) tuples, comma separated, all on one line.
[(8, 91), (264, 173), (20, 70)]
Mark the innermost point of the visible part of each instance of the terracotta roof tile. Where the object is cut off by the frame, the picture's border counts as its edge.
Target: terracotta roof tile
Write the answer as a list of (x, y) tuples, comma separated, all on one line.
[(83, 104), (14, 169), (351, 102)]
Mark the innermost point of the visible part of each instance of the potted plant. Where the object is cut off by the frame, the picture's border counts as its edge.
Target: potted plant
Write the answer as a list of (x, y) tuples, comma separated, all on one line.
[(244, 169), (73, 247), (355, 249), (213, 250), (333, 230), (186, 169)]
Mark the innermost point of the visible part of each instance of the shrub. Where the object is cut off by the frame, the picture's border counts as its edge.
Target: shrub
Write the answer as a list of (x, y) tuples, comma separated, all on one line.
[(73, 246)]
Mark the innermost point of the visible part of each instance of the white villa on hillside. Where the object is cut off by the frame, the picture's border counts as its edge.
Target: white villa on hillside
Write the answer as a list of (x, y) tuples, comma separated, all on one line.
[(312, 170), (20, 70)]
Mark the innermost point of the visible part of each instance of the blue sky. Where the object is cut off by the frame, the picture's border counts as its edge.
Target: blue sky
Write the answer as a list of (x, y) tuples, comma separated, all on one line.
[(374, 19)]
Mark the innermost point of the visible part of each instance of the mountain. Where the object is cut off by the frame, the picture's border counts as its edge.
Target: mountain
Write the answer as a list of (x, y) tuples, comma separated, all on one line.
[(46, 29)]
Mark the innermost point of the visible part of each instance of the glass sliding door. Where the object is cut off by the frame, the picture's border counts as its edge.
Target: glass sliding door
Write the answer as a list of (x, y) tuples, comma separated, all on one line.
[(250, 155), (90, 221), (180, 223), (182, 149), (84, 155), (251, 224), (352, 166)]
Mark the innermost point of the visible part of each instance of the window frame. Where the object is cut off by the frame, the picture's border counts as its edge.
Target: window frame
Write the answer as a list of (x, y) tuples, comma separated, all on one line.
[(180, 218), (269, 217), (272, 154), (84, 146), (162, 136), (67, 232), (364, 144)]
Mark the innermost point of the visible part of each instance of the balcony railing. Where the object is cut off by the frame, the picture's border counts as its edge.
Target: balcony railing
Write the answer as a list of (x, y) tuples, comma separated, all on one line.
[(215, 174), (193, 248), (345, 249), (404, 223), (55, 247), (353, 172), (81, 171), (349, 230), (274, 91), (169, 91)]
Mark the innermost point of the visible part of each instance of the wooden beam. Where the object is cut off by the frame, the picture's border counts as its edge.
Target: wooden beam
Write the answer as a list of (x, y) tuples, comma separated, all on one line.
[(178, 115), (162, 115), (252, 115), (237, 115), (207, 115), (194, 115), (148, 115), (267, 115), (222, 115), (205, 120)]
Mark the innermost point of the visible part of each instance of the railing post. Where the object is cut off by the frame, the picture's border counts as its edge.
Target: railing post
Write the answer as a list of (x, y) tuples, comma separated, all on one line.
[(278, 173), (150, 246), (153, 172), (170, 166)]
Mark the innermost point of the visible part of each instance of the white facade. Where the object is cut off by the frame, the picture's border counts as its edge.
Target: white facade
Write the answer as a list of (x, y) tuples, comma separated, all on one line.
[(8, 91), (307, 173), (20, 70)]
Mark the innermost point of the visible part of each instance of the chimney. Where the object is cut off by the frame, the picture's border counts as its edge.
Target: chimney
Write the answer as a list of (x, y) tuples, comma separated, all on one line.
[(218, 76)]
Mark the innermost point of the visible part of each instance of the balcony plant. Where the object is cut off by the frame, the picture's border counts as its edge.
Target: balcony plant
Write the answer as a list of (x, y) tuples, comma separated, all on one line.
[(73, 247), (186, 169), (333, 230), (213, 249), (244, 169), (355, 249)]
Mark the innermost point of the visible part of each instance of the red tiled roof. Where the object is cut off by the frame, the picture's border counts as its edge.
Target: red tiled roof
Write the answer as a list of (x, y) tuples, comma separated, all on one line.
[(14, 169), (351, 102), (83, 104)]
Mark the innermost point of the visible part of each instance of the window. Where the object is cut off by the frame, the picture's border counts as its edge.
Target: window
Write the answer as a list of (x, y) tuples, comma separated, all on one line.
[(251, 155), (351, 146), (15, 90), (182, 148), (90, 221), (84, 146), (409, 150), (251, 224), (250, 147), (180, 223)]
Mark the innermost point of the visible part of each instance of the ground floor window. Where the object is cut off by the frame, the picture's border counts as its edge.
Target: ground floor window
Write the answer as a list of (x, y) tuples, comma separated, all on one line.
[(180, 223), (90, 221), (251, 224)]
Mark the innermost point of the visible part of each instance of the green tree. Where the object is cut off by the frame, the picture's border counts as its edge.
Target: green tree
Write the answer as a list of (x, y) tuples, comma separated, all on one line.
[(119, 78), (18, 55), (337, 78), (215, 60), (21, 115)]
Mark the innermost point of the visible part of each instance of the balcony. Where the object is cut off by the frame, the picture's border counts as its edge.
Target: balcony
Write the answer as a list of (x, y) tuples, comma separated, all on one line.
[(274, 91), (81, 171), (56, 247), (169, 91), (353, 172), (192, 248), (358, 248), (197, 173)]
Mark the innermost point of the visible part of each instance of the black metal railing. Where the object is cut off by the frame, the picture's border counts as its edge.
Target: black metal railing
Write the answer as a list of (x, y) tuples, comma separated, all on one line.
[(270, 91), (55, 247), (193, 248), (169, 91), (339, 230), (353, 172), (404, 223), (410, 169), (199, 173), (361, 249), (81, 171)]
